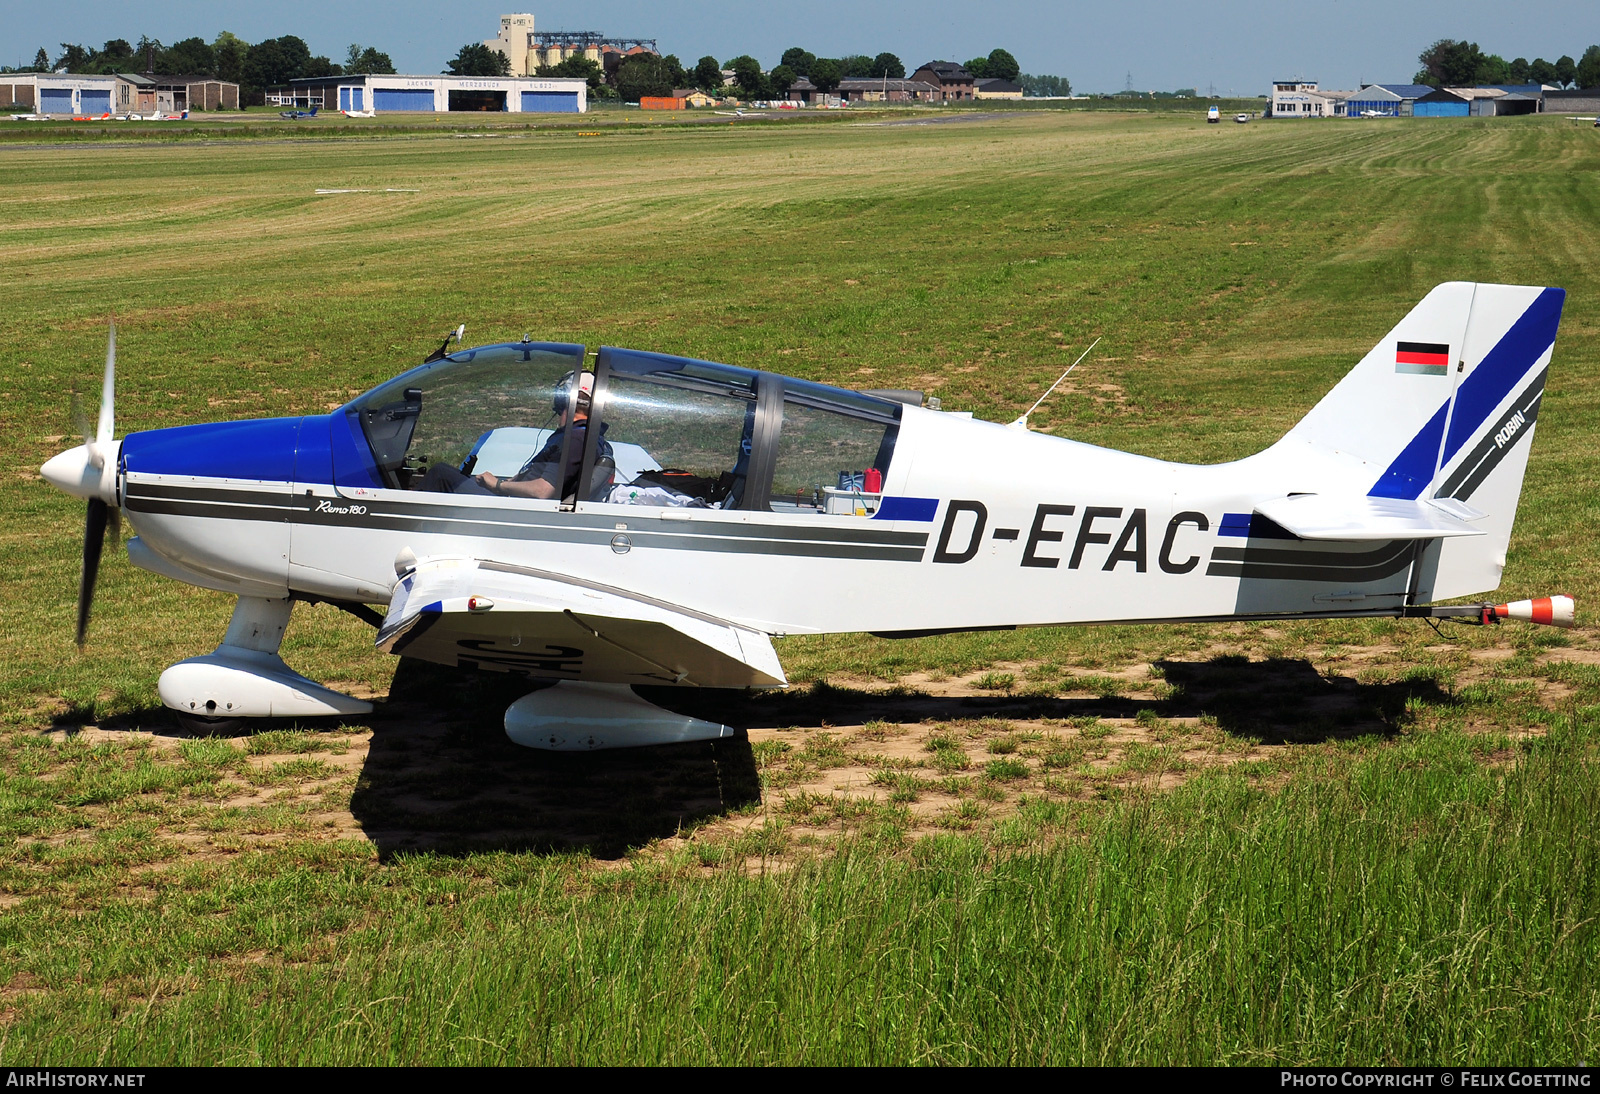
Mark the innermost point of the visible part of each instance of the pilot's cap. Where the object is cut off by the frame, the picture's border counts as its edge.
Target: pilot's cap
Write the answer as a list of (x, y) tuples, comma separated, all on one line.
[(585, 389)]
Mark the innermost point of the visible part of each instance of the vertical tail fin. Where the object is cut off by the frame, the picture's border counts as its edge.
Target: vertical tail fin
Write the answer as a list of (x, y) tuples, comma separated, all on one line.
[(1443, 410)]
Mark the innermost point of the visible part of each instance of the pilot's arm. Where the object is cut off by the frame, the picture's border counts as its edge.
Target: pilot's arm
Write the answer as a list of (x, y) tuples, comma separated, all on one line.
[(518, 488)]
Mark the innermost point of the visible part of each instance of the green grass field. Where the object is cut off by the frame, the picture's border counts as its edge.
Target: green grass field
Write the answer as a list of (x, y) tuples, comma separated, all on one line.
[(1353, 843)]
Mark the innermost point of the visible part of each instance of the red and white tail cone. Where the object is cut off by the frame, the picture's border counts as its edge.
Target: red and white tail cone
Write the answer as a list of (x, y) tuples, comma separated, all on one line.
[(1553, 611)]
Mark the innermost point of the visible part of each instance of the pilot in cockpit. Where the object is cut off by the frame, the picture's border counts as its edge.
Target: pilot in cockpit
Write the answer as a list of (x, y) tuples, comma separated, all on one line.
[(540, 476)]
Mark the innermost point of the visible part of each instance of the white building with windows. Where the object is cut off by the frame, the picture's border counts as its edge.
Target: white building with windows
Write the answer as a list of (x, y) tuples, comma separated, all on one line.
[(436, 94), (1303, 99)]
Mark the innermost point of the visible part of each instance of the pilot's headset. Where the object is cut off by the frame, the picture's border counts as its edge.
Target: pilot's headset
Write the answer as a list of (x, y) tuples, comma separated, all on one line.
[(583, 382)]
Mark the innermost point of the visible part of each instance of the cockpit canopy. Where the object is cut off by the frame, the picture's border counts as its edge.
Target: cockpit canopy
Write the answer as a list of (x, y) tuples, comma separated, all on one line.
[(671, 430)]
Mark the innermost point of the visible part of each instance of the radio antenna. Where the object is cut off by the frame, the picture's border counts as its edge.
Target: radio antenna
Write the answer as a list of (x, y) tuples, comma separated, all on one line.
[(1022, 422)]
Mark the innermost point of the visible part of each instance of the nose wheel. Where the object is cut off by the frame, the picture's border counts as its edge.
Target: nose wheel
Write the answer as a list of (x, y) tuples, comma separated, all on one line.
[(245, 678)]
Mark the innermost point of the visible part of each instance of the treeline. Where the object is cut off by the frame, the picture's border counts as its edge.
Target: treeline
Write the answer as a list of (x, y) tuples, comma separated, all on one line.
[(648, 74), (1449, 63), (253, 67), (1044, 85)]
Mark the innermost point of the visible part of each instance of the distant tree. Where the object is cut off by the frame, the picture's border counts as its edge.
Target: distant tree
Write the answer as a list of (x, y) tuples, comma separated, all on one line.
[(1588, 74), (1517, 71), (322, 66), (274, 61), (1002, 65), (1185, 93), (887, 65), (780, 79), (643, 74), (798, 60), (826, 75), (979, 67), (747, 75), (477, 59), (707, 74), (1449, 63), (74, 58), (1566, 71), (1493, 69), (675, 73), (1044, 85), (1541, 71), (231, 51), (190, 57), (41, 61), (378, 64), (855, 66)]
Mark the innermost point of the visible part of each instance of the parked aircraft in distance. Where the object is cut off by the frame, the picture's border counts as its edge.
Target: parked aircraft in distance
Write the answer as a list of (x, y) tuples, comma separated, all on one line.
[(620, 518), (359, 113), (295, 115)]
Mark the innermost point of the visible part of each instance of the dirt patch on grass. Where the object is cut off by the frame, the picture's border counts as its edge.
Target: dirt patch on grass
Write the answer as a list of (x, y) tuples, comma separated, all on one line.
[(1007, 752)]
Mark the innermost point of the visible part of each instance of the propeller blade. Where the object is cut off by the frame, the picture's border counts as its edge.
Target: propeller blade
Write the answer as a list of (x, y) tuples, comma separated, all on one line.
[(108, 391), (94, 536)]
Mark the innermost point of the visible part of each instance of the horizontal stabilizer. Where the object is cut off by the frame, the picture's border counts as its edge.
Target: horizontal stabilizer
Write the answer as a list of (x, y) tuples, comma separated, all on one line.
[(505, 618), (1352, 518)]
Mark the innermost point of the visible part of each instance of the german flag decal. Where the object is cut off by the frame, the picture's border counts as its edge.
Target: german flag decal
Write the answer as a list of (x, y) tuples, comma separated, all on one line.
[(1422, 358)]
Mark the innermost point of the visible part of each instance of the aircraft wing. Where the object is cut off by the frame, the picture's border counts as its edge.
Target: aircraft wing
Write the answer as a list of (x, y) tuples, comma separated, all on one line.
[(508, 618), (1345, 517)]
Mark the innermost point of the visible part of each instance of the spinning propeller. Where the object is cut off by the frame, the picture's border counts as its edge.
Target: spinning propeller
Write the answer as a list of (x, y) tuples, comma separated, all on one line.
[(90, 472)]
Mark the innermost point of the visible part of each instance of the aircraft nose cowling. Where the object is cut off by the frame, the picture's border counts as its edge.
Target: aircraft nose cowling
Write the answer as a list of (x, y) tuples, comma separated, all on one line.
[(77, 472), (258, 449)]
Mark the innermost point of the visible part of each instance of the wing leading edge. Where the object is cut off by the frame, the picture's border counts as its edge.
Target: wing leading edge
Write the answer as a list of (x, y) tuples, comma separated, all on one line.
[(506, 618)]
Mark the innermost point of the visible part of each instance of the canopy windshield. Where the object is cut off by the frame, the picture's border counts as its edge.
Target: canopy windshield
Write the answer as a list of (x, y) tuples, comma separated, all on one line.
[(447, 410)]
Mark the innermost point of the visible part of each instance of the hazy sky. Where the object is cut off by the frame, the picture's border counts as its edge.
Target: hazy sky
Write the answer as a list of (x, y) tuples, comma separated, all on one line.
[(1164, 44)]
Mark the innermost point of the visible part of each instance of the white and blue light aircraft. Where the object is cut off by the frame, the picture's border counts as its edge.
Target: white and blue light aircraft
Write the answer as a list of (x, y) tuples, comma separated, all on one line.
[(699, 509)]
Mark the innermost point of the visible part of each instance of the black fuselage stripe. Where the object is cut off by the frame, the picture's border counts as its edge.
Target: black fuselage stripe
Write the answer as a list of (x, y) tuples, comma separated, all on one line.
[(1306, 573), (1333, 559), (1281, 565), (149, 493), (683, 541)]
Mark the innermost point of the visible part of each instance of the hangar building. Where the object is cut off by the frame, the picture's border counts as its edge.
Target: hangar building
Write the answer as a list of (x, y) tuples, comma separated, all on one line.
[(65, 95), (437, 94), (60, 93)]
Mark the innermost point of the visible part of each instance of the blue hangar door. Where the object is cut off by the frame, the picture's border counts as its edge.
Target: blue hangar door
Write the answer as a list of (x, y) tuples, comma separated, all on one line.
[(350, 98), (392, 98), (55, 100), (96, 102), (549, 102)]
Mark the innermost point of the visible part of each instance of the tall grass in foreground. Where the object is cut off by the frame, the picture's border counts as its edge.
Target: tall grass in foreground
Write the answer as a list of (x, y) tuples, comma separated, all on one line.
[(1411, 907)]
